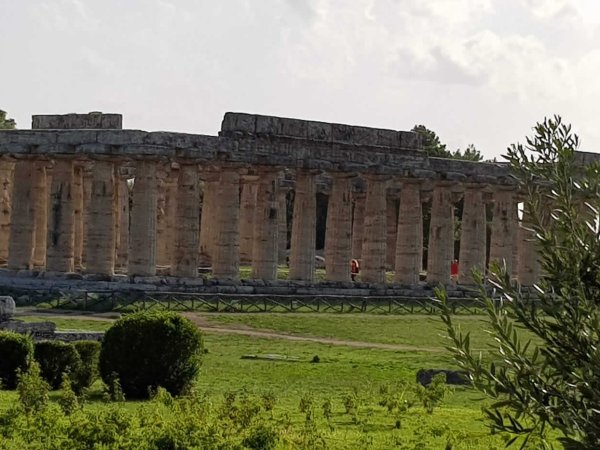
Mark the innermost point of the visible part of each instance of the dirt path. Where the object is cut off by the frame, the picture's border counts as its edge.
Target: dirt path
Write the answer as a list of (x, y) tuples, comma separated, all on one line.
[(245, 330), (239, 329)]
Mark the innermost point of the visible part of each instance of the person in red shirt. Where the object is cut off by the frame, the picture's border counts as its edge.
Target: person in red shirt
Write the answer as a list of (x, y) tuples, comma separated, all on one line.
[(354, 269)]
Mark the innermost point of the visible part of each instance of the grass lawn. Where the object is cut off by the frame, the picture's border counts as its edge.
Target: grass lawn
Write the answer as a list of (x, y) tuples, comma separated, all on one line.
[(342, 371)]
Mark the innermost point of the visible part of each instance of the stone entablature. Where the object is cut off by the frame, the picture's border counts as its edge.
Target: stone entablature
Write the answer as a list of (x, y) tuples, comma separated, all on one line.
[(93, 120), (101, 202)]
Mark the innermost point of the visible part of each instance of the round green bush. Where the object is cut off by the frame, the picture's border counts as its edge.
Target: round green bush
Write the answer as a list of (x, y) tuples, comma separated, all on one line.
[(87, 372), (56, 358), (15, 351), (146, 350)]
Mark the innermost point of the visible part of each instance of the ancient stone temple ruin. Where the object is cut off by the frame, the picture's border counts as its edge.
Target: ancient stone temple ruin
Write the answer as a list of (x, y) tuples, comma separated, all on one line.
[(85, 201)]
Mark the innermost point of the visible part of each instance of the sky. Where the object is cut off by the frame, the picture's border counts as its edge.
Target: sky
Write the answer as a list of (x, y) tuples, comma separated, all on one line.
[(479, 72)]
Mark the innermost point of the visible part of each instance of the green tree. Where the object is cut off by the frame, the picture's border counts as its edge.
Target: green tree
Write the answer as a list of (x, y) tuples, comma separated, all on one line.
[(6, 123), (543, 370), (433, 146)]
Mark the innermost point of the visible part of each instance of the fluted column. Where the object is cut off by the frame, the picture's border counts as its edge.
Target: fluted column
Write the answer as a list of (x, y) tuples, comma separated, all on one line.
[(123, 217), (40, 211), (473, 235), (6, 189), (392, 228), (100, 249), (529, 266), (503, 228), (302, 246), (282, 228), (185, 261), (266, 222), (82, 193), (358, 224), (375, 231), (142, 241), (210, 203), (166, 210), (248, 208), (516, 241), (226, 258), (409, 243), (441, 235), (338, 232), (20, 244), (60, 244)]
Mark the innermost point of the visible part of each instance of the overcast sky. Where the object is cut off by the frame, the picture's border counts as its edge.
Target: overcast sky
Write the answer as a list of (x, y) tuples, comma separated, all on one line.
[(474, 71)]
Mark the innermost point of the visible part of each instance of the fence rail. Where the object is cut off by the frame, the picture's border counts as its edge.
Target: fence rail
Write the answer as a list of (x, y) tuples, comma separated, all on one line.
[(222, 303)]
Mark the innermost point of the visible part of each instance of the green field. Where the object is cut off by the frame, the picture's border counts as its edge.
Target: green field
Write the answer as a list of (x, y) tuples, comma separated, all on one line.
[(343, 370)]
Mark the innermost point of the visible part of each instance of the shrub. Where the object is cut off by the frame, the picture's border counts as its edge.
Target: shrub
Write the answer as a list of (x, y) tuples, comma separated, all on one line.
[(32, 389), (87, 372), (56, 358), (151, 349), (15, 352)]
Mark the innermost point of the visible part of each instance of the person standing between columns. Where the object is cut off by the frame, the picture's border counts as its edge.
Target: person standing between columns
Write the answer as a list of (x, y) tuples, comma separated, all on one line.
[(302, 249)]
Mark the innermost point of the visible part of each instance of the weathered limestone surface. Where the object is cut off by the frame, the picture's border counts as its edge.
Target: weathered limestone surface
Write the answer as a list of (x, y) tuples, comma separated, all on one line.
[(40, 208), (6, 188), (20, 244), (82, 192), (185, 262), (248, 208), (123, 216), (504, 227), (166, 211), (60, 241), (375, 231), (266, 222), (226, 258), (473, 235), (302, 246), (338, 233), (209, 208), (142, 241), (358, 224), (100, 249), (392, 225), (409, 244), (529, 266), (441, 235), (93, 120), (282, 229)]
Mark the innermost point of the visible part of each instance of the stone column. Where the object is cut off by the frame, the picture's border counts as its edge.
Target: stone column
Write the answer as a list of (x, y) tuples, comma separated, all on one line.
[(166, 210), (266, 222), (374, 250), (248, 208), (516, 241), (441, 235), (358, 224), (409, 244), (392, 225), (529, 265), (473, 235), (338, 232), (20, 244), (282, 228), (185, 261), (304, 223), (6, 188), (100, 249), (226, 245), (142, 241), (82, 193), (60, 243), (503, 228), (40, 208), (210, 203), (123, 205)]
